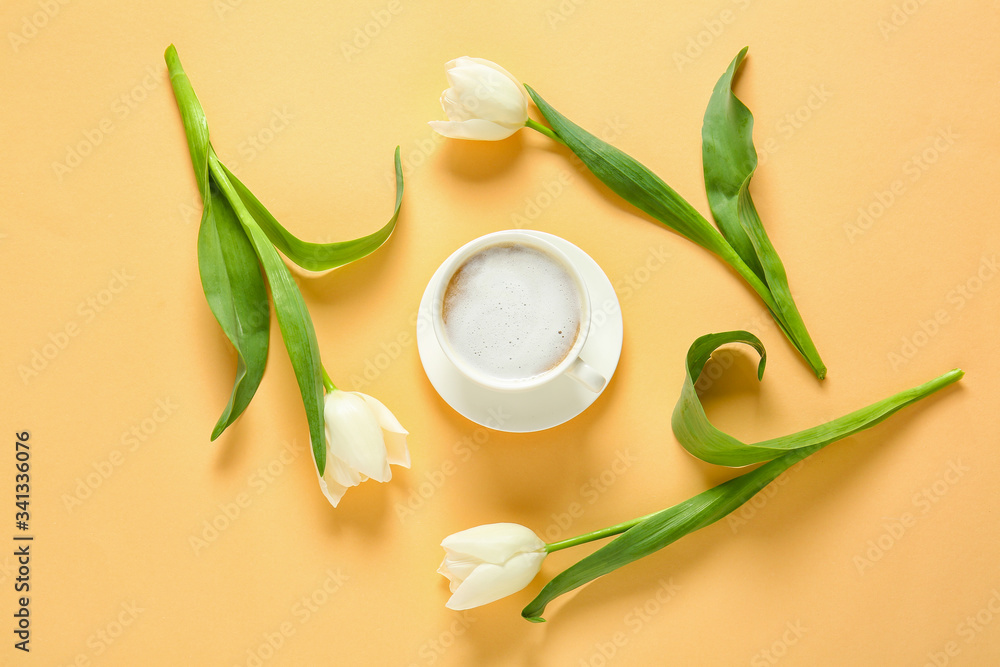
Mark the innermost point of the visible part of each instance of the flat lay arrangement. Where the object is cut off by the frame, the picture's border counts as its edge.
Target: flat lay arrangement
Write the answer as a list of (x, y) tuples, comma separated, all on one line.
[(519, 412), (511, 313)]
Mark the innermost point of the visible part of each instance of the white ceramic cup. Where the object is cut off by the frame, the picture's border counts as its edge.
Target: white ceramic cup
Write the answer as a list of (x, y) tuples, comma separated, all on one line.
[(571, 364)]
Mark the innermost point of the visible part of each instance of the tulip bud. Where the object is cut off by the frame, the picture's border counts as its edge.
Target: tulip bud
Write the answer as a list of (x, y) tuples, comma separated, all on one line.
[(362, 439), (484, 101), (486, 563)]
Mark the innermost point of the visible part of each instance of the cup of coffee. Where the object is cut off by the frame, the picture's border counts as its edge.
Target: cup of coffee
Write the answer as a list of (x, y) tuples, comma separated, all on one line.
[(512, 313)]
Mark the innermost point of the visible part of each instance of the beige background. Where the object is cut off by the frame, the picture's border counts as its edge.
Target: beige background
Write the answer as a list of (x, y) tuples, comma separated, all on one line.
[(879, 550)]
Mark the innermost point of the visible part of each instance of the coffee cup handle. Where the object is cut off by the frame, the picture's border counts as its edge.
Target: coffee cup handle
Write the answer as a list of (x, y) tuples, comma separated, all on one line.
[(586, 375)]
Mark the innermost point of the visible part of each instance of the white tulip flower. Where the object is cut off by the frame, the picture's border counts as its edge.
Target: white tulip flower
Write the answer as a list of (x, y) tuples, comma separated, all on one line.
[(484, 101), (486, 563), (362, 439)]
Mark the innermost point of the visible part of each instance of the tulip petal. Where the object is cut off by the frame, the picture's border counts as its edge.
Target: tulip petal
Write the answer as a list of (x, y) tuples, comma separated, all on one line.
[(457, 570), (478, 129), (339, 472), (333, 491), (494, 66), (493, 542), (467, 62), (485, 93), (392, 432), (453, 107), (488, 582), (354, 436)]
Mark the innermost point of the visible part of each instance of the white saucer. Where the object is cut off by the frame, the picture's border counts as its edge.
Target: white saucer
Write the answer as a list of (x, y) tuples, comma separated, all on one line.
[(551, 404)]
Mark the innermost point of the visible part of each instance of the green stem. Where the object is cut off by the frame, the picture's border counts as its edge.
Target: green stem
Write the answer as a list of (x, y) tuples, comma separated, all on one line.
[(535, 125), (596, 535), (327, 382)]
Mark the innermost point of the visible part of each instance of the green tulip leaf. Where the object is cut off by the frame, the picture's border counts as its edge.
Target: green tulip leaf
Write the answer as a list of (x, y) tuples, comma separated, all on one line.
[(698, 436), (318, 256), (633, 181), (235, 290), (294, 321), (656, 531), (193, 117), (230, 272), (736, 245), (232, 248), (729, 160), (663, 528)]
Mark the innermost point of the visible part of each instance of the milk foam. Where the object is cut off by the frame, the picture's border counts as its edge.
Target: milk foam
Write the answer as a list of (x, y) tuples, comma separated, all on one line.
[(512, 311)]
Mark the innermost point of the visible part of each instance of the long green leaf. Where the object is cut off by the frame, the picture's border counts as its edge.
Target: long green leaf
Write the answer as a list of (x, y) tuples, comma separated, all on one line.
[(658, 530), (193, 117), (227, 263), (698, 436), (661, 529), (318, 256), (234, 287), (729, 161), (633, 181), (293, 317)]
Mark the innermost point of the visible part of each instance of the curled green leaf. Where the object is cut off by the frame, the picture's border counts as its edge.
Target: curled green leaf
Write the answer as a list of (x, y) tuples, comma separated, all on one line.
[(698, 436), (649, 534)]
